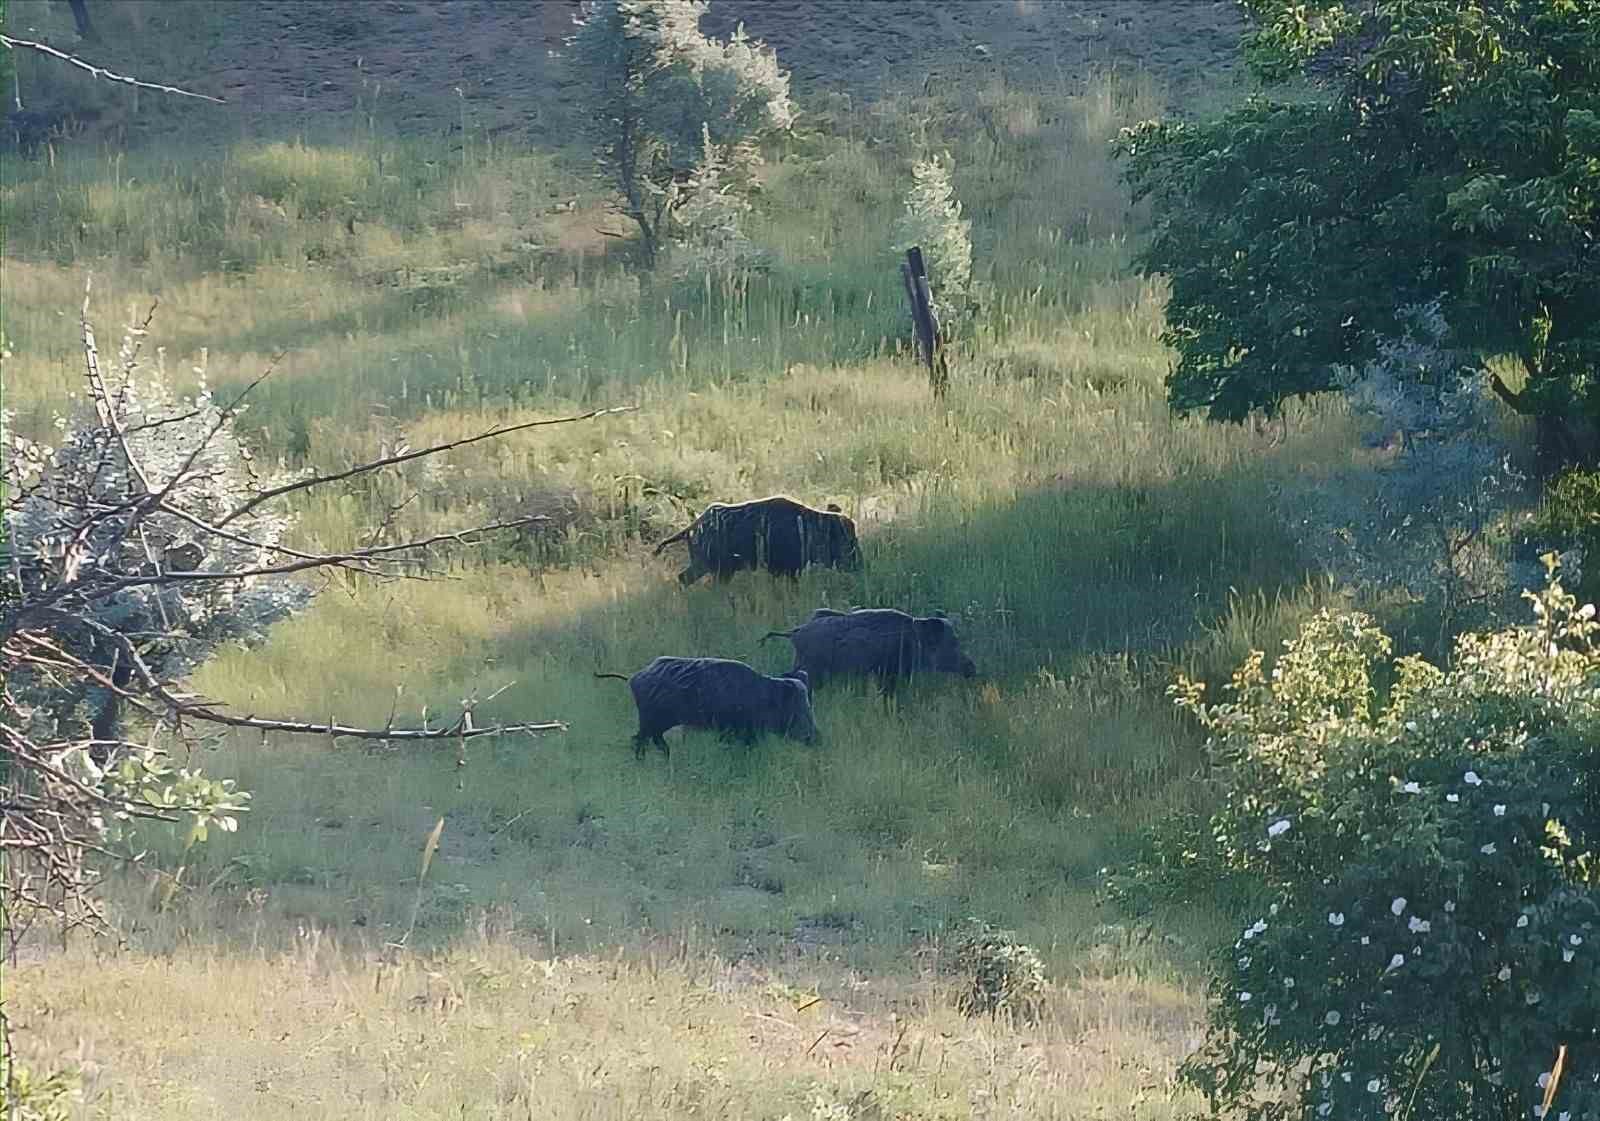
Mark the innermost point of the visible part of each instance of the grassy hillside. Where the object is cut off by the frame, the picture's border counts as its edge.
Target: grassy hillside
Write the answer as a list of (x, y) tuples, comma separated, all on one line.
[(1087, 543)]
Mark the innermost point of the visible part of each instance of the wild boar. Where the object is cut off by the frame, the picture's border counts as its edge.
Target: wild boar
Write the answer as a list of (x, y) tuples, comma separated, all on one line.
[(778, 534), (717, 693), (880, 642)]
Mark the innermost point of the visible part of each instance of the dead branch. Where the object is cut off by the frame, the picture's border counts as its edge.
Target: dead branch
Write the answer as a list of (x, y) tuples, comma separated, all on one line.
[(141, 556), (100, 71), (407, 456)]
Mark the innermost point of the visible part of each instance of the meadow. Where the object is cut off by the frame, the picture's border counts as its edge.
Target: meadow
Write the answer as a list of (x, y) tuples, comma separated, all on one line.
[(599, 936)]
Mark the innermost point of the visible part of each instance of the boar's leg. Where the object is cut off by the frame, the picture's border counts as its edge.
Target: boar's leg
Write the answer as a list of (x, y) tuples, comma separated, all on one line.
[(648, 736)]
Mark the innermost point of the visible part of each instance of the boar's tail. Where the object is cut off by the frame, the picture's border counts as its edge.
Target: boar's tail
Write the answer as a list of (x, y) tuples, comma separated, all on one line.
[(679, 536), (777, 634), (618, 676)]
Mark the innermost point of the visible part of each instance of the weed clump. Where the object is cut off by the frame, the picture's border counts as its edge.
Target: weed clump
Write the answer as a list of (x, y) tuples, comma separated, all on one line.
[(1004, 977)]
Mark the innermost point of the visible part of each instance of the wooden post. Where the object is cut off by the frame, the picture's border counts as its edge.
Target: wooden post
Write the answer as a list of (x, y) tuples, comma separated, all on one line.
[(920, 296)]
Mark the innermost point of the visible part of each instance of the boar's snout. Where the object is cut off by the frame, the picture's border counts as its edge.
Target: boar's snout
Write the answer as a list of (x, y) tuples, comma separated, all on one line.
[(969, 668)]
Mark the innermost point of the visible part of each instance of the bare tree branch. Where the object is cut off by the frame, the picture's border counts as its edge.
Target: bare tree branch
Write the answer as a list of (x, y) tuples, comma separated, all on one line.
[(134, 549), (407, 456), (100, 71)]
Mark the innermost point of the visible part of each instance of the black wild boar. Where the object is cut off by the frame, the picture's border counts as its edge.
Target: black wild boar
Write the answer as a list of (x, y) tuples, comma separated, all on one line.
[(717, 693), (882, 642), (778, 534)]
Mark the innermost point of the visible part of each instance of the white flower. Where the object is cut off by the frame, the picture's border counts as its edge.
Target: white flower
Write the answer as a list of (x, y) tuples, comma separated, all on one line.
[(1568, 955), (1324, 1109), (1373, 1086), (1544, 807), (1244, 998), (1395, 963), (1522, 921), (1411, 725), (1543, 1080), (1335, 918), (1500, 809), (1449, 906), (1244, 962), (1288, 982), (1488, 849), (1504, 974), (1411, 788), (1332, 1018), (1452, 797), (1344, 1074), (1278, 828), (1533, 998), (1365, 941), (1419, 926), (1471, 779), (1398, 906), (1575, 939)]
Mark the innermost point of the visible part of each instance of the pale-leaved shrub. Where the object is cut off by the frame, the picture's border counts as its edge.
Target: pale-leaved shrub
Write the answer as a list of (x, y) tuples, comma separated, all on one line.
[(658, 91), (1422, 516), (186, 445), (932, 220)]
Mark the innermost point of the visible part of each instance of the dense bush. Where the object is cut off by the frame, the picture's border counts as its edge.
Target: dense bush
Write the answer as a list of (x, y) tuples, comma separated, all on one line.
[(1431, 854)]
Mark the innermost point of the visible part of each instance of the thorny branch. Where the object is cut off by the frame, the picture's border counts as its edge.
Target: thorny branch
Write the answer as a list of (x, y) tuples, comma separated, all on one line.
[(121, 564)]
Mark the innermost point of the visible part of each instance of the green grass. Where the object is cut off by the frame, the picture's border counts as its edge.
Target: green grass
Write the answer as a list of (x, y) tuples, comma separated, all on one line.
[(1088, 543)]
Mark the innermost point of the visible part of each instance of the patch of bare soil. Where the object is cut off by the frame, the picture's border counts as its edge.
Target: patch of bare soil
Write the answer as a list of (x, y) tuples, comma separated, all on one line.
[(429, 67)]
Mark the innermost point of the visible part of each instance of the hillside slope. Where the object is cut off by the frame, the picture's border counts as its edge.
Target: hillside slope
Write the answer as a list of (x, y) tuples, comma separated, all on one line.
[(421, 67)]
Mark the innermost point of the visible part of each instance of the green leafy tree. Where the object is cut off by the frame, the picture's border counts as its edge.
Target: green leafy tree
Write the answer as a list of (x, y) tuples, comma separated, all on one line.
[(660, 93), (1428, 864), (1447, 146)]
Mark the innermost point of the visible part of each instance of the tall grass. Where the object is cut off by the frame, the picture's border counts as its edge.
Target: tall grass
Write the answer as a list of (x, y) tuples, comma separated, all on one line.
[(1086, 542)]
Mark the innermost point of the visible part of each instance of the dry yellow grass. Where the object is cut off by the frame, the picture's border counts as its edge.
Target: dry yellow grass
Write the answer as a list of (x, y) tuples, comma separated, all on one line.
[(491, 1032)]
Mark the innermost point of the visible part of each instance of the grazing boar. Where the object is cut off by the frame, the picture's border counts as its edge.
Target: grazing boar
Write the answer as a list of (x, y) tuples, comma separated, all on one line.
[(882, 642), (717, 693), (778, 534)]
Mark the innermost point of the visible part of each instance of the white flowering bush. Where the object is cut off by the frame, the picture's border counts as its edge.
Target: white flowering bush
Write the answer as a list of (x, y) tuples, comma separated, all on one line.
[(932, 220), (184, 446), (1430, 858), (659, 93)]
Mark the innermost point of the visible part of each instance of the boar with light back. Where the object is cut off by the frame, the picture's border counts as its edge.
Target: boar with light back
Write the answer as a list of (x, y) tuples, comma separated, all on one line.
[(720, 694), (778, 534)]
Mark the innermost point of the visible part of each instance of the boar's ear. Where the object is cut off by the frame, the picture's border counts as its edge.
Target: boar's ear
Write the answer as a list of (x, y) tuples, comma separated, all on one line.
[(833, 508), (933, 630), (802, 677)]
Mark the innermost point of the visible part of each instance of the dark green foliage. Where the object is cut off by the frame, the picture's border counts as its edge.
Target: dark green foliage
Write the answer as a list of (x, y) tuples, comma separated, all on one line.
[(1453, 149), (1571, 517)]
